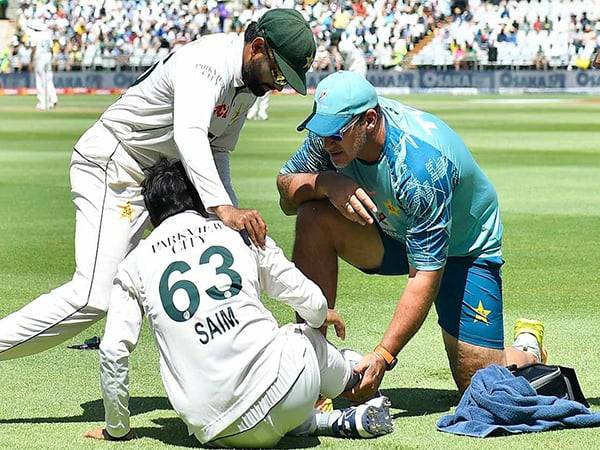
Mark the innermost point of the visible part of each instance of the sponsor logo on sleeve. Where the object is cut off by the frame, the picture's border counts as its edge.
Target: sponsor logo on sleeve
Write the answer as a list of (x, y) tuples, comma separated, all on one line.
[(220, 111)]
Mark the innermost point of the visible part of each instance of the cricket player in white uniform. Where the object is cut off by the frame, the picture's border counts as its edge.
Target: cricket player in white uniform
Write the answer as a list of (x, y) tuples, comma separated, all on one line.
[(41, 42), (353, 58), (258, 111), (233, 376), (190, 106)]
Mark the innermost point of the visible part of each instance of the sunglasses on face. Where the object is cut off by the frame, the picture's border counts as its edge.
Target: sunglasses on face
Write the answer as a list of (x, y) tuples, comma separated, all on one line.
[(278, 76), (340, 134)]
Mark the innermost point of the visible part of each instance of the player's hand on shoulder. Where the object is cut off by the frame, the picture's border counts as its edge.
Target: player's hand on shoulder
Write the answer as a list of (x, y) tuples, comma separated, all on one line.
[(102, 435), (352, 201), (333, 318), (244, 219)]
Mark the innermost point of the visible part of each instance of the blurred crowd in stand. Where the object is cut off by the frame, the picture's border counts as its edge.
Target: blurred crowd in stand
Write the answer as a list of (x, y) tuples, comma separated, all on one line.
[(538, 34), (117, 34), (131, 34)]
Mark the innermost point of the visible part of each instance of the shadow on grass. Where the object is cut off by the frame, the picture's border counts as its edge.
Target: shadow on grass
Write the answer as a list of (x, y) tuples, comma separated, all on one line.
[(94, 411), (170, 430), (173, 431), (421, 401), (414, 401)]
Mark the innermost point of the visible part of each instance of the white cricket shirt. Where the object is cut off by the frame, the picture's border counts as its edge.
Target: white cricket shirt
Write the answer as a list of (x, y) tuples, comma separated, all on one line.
[(199, 285), (188, 106), (354, 58), (41, 40)]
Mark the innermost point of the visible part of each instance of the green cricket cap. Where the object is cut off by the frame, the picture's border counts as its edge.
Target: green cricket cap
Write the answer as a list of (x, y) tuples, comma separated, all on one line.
[(291, 40)]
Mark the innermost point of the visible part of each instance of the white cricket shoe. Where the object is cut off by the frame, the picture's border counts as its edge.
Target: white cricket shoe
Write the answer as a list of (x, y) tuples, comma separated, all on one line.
[(365, 421)]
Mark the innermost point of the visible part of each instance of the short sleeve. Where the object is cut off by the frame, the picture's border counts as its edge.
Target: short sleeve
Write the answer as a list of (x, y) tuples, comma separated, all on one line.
[(425, 196), (311, 157)]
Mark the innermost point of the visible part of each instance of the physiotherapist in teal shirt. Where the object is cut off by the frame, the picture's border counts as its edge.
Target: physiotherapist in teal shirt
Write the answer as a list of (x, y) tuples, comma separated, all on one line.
[(394, 191)]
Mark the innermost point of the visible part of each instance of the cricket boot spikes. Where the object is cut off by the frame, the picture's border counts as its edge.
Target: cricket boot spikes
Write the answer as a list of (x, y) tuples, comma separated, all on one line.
[(365, 421)]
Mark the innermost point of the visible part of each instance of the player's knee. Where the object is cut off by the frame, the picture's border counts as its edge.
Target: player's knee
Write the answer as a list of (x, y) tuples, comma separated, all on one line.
[(465, 359)]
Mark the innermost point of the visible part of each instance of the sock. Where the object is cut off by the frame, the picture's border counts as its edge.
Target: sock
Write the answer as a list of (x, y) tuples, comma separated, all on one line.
[(325, 421), (352, 381), (528, 343), (319, 424)]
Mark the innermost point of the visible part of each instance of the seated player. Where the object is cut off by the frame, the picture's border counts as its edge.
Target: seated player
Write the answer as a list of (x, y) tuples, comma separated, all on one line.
[(233, 376)]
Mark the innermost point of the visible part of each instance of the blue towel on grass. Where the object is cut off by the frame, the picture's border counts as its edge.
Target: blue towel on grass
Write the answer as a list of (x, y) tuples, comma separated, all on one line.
[(498, 403)]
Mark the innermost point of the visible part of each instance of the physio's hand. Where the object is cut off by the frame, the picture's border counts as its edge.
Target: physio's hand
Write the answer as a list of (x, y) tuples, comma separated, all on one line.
[(244, 219), (352, 201), (372, 368), (102, 435), (333, 318)]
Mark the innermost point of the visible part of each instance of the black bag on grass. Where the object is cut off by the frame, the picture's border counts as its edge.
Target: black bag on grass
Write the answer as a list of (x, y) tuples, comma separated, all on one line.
[(557, 381)]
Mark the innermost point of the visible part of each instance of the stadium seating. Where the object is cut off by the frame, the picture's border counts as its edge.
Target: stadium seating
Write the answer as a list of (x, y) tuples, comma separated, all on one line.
[(118, 34), (535, 33), (123, 34)]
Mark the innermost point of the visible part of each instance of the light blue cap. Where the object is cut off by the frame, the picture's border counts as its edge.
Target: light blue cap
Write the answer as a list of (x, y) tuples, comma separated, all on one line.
[(338, 98)]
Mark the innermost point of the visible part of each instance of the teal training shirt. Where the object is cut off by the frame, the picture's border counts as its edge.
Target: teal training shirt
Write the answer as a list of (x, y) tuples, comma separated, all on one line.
[(429, 191)]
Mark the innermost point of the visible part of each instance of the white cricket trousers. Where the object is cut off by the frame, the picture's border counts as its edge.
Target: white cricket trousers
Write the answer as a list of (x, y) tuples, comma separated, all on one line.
[(326, 372), (44, 82), (110, 217)]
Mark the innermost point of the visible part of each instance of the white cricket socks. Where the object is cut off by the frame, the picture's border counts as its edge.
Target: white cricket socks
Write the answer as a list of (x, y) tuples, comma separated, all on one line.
[(320, 423)]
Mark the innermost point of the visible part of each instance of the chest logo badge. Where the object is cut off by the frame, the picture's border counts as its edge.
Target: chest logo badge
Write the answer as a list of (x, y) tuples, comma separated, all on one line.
[(391, 208), (126, 211)]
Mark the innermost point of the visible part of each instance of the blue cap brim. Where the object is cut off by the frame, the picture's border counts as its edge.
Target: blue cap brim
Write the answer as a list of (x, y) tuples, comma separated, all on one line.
[(324, 125)]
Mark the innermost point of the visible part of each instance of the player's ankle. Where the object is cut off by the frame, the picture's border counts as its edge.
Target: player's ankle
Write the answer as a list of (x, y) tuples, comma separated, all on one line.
[(527, 342)]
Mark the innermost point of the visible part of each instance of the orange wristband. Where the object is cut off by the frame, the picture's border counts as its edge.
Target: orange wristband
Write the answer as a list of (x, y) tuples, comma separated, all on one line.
[(390, 360)]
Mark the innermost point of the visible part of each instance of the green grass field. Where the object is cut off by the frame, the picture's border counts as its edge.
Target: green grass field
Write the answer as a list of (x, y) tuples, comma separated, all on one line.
[(544, 159)]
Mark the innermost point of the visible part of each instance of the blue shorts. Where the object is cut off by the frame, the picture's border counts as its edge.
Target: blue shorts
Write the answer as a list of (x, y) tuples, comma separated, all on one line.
[(469, 303)]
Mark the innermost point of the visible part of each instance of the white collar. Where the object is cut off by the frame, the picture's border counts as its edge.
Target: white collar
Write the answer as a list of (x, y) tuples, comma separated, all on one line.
[(237, 61)]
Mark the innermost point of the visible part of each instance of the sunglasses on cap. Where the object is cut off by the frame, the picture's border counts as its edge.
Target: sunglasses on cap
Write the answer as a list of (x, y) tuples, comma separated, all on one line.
[(340, 134)]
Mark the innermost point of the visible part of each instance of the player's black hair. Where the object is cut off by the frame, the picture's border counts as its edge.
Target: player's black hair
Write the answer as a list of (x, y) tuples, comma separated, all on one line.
[(167, 191), (251, 32)]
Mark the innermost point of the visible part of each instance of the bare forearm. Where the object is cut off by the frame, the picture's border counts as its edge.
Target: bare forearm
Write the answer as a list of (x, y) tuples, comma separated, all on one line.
[(295, 189), (411, 311)]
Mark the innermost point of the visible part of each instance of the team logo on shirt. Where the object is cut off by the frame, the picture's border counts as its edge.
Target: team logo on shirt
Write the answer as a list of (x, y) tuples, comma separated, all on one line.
[(221, 111), (391, 208), (126, 211)]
